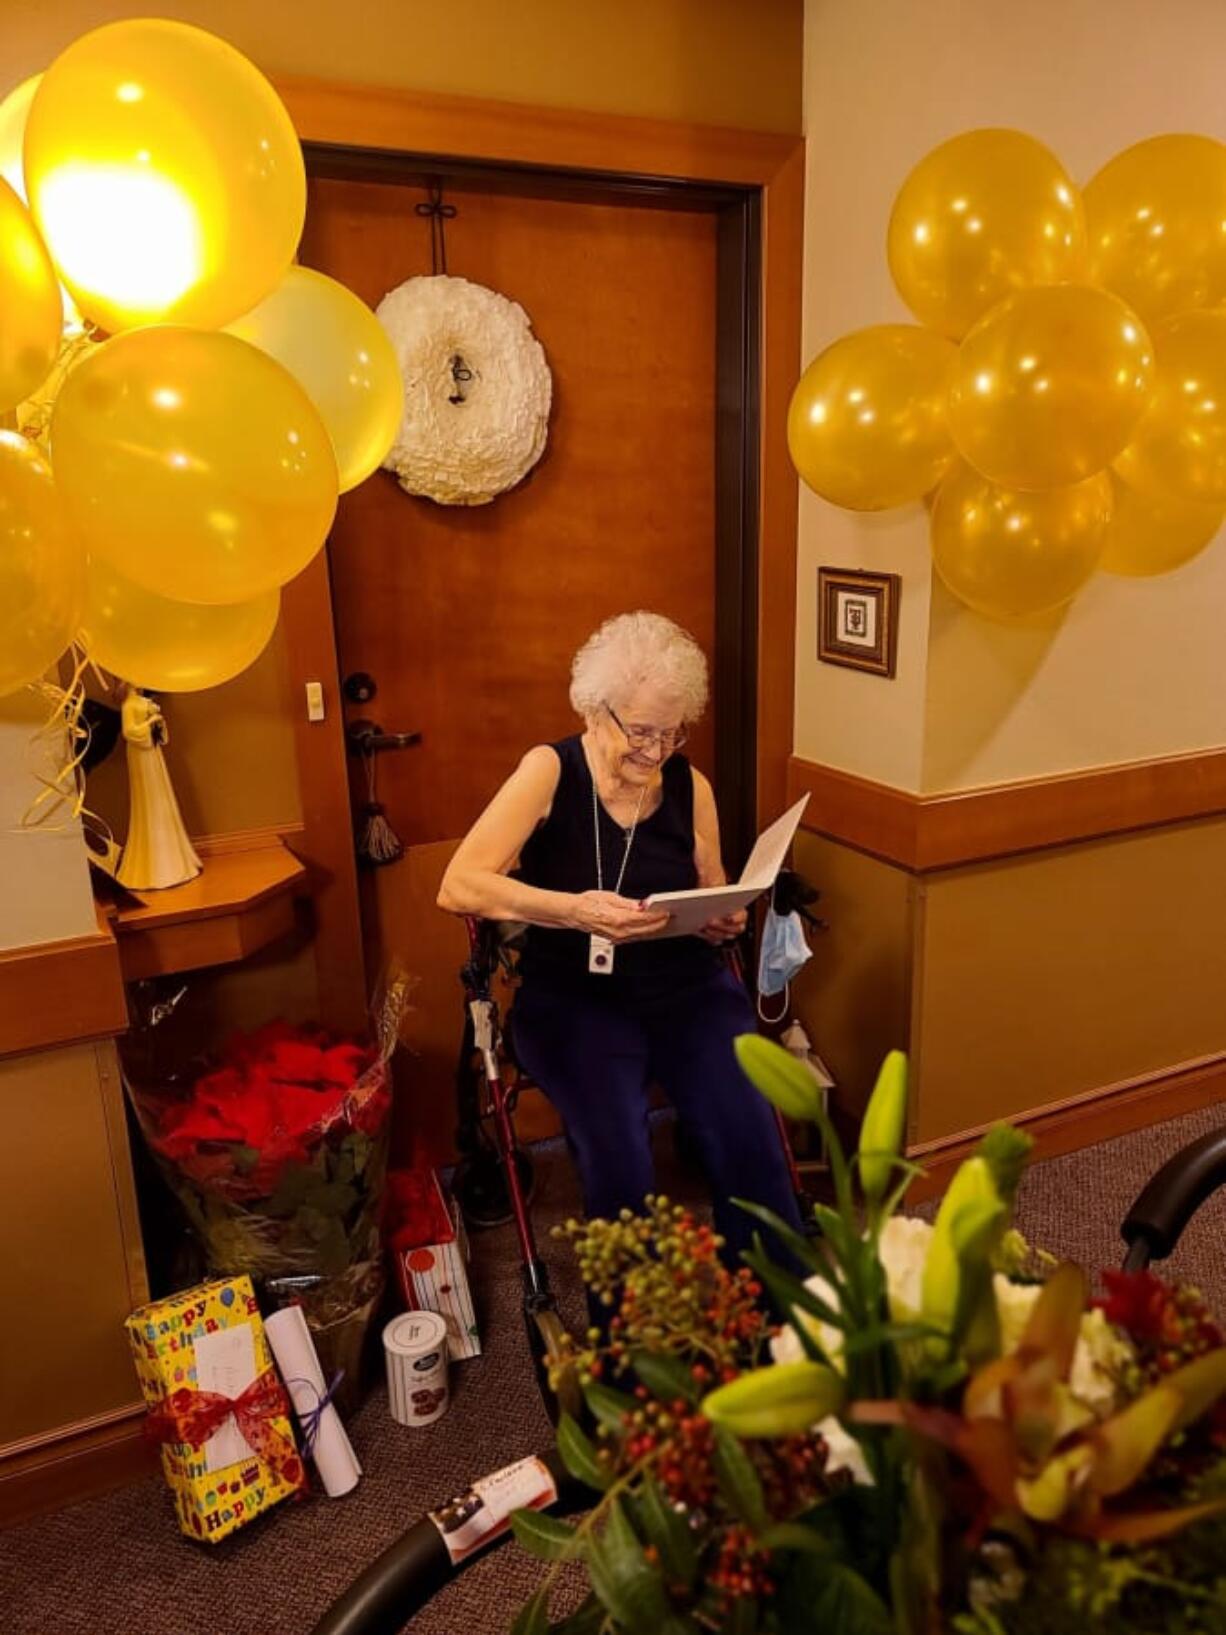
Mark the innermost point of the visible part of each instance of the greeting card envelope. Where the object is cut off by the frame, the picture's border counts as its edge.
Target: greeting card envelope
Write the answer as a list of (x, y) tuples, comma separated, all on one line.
[(216, 1405)]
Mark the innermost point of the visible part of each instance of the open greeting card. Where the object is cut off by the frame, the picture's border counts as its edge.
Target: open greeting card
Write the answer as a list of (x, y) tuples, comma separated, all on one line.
[(691, 910)]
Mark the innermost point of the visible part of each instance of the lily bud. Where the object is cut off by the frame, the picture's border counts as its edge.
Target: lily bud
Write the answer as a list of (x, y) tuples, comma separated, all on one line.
[(782, 1400), (971, 1217), (785, 1082), (883, 1127)]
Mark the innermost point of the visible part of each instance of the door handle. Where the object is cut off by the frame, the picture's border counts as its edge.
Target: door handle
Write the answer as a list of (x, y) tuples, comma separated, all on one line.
[(368, 738)]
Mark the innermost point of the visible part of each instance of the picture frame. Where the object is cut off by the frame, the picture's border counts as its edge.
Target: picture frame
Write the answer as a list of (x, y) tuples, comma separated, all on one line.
[(857, 619)]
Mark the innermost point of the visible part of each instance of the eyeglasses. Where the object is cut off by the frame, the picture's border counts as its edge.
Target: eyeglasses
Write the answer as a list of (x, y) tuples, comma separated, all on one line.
[(669, 740)]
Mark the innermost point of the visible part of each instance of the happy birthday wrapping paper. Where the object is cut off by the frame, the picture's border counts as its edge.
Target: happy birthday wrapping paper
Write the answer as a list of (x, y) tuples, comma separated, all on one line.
[(206, 1341)]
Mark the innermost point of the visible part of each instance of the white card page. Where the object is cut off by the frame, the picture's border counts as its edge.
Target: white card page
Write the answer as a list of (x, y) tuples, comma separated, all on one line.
[(691, 910)]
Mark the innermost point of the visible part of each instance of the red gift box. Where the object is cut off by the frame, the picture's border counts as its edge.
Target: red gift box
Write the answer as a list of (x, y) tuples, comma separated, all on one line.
[(430, 1252)]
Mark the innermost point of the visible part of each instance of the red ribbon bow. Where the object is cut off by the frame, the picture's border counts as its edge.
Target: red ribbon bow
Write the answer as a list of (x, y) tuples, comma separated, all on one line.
[(194, 1416)]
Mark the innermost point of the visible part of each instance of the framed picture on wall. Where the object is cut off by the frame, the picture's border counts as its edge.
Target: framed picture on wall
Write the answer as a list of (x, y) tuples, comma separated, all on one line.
[(857, 619)]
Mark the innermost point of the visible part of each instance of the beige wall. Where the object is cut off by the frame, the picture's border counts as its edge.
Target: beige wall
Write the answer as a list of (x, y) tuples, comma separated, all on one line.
[(1135, 669), (723, 62)]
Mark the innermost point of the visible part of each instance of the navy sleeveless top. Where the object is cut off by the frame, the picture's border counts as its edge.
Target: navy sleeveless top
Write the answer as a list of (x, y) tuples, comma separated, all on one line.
[(560, 855)]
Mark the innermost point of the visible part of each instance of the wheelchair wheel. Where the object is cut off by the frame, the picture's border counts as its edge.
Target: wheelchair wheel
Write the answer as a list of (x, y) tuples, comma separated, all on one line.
[(481, 1188), (547, 1340)]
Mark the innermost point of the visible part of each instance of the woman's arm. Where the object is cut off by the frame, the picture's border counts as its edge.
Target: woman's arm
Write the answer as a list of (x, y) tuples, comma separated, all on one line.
[(709, 863), (477, 878)]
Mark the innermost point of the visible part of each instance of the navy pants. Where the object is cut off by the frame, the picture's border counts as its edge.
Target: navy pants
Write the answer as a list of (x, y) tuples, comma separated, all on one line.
[(595, 1060)]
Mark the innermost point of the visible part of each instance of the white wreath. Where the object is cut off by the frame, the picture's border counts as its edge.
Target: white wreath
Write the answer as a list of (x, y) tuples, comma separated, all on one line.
[(477, 390)]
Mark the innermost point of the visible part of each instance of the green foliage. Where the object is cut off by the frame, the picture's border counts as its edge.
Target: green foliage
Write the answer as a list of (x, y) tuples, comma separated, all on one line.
[(1006, 1151), (739, 1482), (665, 1376), (578, 1454), (543, 1536), (667, 1529), (629, 1587)]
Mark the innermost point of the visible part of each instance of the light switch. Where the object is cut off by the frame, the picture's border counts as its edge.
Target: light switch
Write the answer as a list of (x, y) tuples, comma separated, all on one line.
[(315, 700)]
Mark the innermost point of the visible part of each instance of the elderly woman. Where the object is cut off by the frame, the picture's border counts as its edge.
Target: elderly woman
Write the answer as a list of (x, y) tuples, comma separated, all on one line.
[(580, 834)]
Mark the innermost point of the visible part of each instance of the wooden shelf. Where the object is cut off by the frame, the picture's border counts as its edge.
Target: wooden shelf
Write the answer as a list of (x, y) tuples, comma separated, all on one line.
[(240, 902)]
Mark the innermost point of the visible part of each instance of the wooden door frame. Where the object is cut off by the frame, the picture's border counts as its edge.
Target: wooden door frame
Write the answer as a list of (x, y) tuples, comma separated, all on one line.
[(755, 181)]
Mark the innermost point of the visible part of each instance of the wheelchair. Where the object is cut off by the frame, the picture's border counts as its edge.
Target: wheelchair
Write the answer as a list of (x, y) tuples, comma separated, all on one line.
[(401, 1581), (494, 1177)]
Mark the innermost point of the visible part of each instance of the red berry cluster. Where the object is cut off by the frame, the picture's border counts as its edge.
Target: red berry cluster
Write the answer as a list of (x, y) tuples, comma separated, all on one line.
[(741, 1568), (668, 1290)]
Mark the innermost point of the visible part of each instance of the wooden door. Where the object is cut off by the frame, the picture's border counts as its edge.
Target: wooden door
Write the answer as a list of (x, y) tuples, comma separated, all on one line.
[(467, 618)]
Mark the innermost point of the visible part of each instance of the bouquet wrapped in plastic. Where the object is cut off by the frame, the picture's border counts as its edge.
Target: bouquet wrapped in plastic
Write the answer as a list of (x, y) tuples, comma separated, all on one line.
[(276, 1148)]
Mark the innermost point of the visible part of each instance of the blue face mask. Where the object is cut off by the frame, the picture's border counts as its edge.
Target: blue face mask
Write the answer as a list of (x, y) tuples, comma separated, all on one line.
[(784, 950)]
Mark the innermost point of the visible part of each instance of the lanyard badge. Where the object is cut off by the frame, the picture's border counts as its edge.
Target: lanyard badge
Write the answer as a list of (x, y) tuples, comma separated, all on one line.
[(600, 950)]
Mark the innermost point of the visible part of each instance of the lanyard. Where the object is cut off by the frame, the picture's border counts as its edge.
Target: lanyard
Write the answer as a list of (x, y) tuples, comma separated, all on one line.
[(621, 873)]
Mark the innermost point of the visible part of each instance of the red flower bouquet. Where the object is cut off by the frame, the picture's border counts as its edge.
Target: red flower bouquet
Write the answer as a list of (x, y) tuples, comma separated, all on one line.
[(277, 1150)]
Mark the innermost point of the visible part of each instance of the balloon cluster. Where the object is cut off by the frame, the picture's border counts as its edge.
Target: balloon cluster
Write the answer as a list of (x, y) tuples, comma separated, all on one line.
[(1064, 401), (194, 402)]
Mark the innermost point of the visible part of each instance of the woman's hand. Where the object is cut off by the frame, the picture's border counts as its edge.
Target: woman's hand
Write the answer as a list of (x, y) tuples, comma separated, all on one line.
[(726, 928), (620, 919)]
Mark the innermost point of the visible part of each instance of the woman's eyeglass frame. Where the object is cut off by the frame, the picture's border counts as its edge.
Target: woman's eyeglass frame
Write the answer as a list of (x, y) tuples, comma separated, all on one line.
[(669, 740)]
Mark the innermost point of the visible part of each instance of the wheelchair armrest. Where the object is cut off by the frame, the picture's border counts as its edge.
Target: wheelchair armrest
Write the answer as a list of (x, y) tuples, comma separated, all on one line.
[(397, 1584), (1167, 1202)]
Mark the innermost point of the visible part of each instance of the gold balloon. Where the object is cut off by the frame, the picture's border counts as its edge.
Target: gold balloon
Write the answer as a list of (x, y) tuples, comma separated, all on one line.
[(170, 647), (165, 175), (1049, 387), (1148, 536), (41, 566), (1156, 219), (866, 426), (194, 464), (1009, 554), (340, 354), (1179, 449), (14, 111), (984, 214), (31, 313)]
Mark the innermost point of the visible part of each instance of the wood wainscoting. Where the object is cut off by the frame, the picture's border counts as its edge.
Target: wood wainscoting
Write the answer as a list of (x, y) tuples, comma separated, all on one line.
[(74, 1462), (1083, 1121), (1049, 937), (943, 831)]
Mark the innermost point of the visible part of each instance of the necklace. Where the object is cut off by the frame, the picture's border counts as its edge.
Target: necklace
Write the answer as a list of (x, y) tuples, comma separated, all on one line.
[(600, 949), (629, 834)]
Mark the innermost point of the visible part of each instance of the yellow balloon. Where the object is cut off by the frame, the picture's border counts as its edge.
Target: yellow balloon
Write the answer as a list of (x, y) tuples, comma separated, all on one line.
[(1147, 536), (165, 175), (194, 464), (1049, 387), (31, 313), (170, 647), (1009, 554), (866, 426), (41, 566), (14, 111), (1179, 449), (340, 354), (1156, 218), (984, 214)]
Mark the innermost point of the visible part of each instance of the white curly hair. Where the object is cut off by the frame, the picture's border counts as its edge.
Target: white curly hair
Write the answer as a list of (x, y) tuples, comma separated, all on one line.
[(631, 649)]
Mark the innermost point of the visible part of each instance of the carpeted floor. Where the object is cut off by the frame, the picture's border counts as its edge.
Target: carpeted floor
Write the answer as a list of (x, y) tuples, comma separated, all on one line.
[(116, 1565)]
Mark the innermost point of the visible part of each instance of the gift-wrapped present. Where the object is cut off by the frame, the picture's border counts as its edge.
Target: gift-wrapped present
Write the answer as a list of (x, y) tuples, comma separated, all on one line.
[(216, 1406), (430, 1253)]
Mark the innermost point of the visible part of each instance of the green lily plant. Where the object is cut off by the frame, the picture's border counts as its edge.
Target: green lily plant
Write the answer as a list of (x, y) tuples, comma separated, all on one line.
[(855, 1485)]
